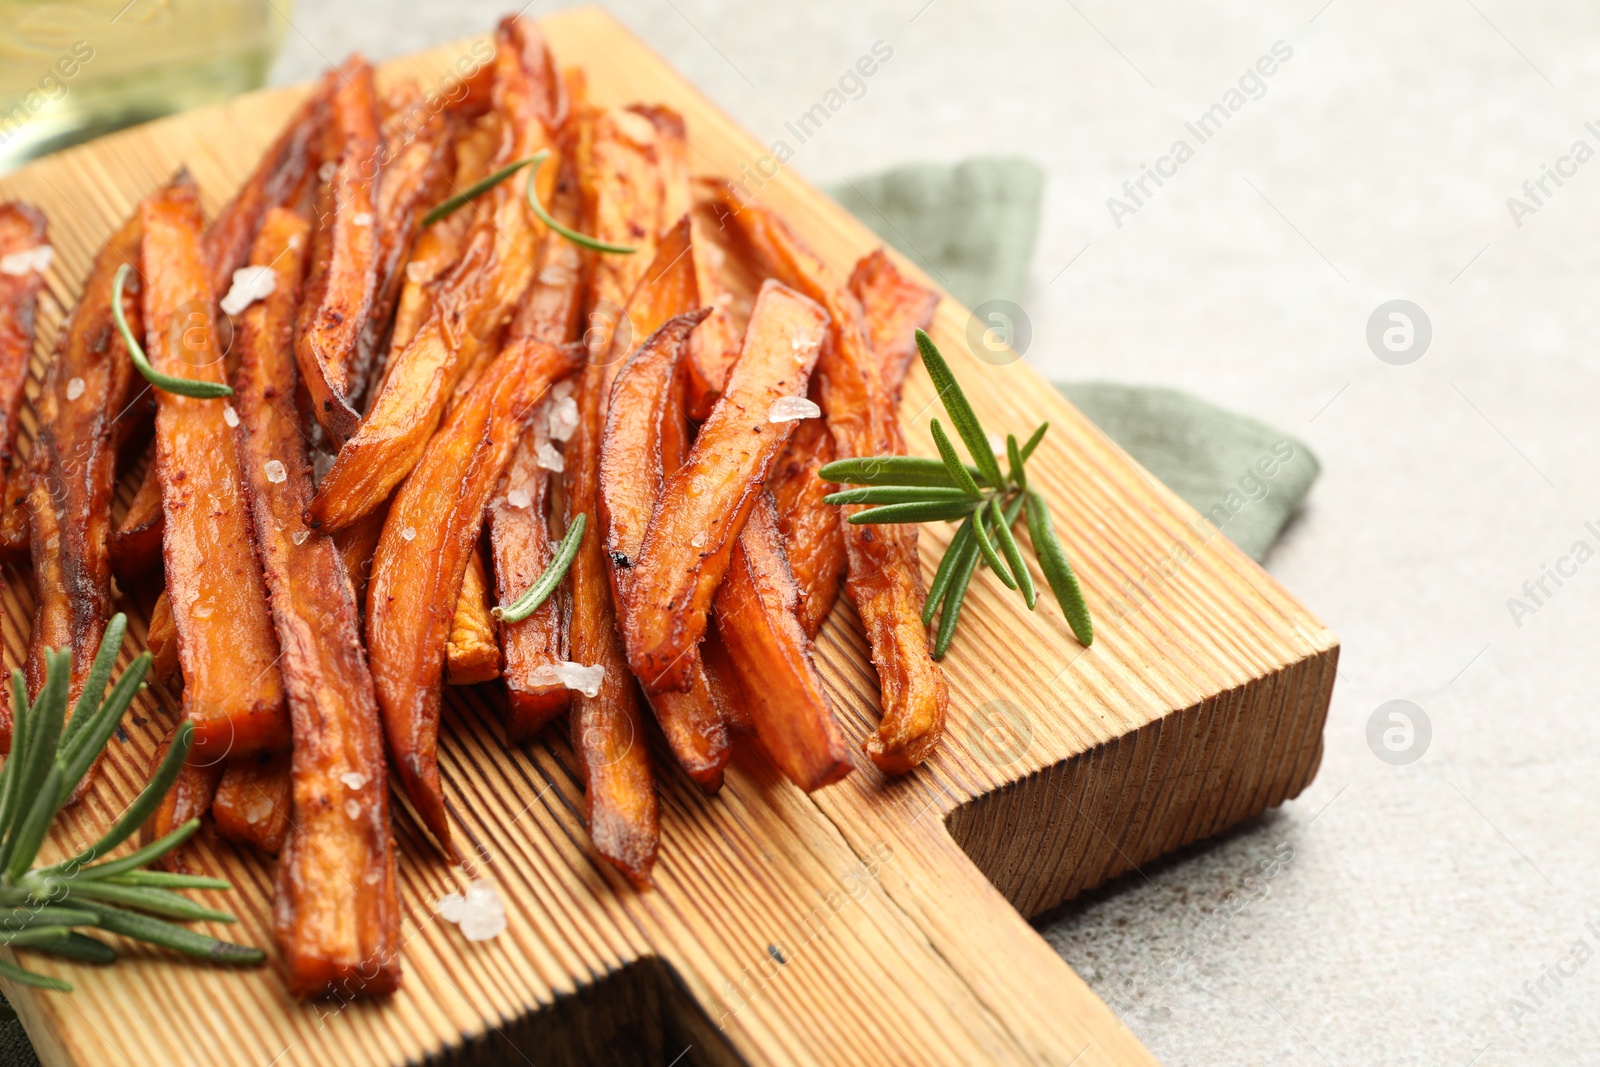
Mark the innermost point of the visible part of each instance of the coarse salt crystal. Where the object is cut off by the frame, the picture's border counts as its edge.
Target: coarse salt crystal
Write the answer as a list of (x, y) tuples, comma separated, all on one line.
[(519, 498), (328, 170), (276, 474), (563, 419), (698, 540), (585, 680), (373, 876), (362, 218), (28, 261), (75, 388), (258, 809), (549, 458), (249, 285), (352, 808), (353, 779), (416, 271), (480, 914), (299, 536), (792, 409), (409, 533), (563, 389), (230, 416)]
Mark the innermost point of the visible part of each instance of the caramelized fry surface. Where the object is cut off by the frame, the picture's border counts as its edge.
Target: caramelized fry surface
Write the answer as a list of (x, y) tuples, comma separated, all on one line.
[(337, 913), (422, 555), (704, 504), (884, 576), (644, 401), (895, 308), (72, 468), (770, 656), (343, 280), (232, 688), (135, 545), (469, 316)]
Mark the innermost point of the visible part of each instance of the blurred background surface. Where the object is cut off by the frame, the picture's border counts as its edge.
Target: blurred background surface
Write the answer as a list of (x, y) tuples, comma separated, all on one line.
[(1434, 911)]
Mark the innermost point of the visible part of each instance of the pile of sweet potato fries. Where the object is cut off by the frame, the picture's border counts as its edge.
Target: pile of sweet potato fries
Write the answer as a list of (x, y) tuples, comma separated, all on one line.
[(434, 378)]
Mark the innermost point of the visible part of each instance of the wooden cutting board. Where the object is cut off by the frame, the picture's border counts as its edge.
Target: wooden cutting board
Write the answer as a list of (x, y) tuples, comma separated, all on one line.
[(876, 921)]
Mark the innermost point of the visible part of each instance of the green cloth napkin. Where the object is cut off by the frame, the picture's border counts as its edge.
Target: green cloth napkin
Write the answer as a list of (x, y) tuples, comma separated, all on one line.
[(972, 227)]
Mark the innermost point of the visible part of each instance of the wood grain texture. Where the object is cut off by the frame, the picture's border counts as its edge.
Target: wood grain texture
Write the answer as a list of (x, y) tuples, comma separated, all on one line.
[(875, 921)]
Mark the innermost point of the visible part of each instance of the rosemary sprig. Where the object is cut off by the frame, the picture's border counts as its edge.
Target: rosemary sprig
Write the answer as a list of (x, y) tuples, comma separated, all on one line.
[(165, 382), (987, 502), (540, 591), (538, 159), (448, 207), (39, 906)]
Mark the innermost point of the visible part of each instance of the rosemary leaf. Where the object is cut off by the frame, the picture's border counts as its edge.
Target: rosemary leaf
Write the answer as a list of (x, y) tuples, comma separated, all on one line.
[(540, 591), (75, 946), (896, 494), (50, 915), (446, 208), (960, 410), (33, 827), (38, 981), (33, 935), (934, 512), (11, 773), (146, 898), (1057, 571), (950, 611), (952, 461), (986, 546), (138, 858), (165, 382), (947, 564), (169, 880), (583, 240), (1003, 518), (99, 676), (96, 725), (160, 932), (1019, 475), (1033, 442), (143, 804), (892, 470)]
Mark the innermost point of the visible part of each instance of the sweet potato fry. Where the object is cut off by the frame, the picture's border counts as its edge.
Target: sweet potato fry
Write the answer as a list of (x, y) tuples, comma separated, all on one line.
[(73, 471), (884, 580), (279, 177), (771, 657), (135, 545), (232, 689), (813, 543), (433, 524), (162, 639), (438, 248), (22, 238), (607, 731), (251, 804), (343, 282), (724, 684), (704, 504), (416, 162), (895, 308), (471, 654), (469, 317), (337, 913), (519, 536), (714, 346), (645, 410), (189, 798)]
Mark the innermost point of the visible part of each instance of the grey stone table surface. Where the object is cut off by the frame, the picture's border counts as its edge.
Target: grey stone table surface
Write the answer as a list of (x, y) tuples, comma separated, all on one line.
[(1435, 912)]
